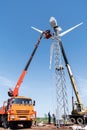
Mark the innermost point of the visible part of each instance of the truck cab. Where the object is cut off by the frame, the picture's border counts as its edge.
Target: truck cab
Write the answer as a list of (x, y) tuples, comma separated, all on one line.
[(19, 110)]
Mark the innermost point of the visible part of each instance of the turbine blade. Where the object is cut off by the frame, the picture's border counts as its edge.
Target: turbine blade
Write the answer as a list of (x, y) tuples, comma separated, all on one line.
[(67, 31), (40, 31), (51, 54)]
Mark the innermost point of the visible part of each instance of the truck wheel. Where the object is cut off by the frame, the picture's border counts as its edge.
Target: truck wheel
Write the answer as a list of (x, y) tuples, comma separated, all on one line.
[(80, 120), (13, 125), (27, 124), (30, 124), (73, 120), (0, 121)]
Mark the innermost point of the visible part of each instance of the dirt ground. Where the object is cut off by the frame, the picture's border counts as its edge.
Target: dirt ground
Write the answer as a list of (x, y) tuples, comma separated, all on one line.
[(47, 127)]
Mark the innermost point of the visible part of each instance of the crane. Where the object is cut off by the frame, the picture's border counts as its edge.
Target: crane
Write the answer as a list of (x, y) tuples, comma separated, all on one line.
[(13, 93), (78, 113), (20, 109)]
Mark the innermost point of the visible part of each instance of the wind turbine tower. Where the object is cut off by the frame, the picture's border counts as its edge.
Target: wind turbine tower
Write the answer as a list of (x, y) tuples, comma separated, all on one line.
[(61, 90)]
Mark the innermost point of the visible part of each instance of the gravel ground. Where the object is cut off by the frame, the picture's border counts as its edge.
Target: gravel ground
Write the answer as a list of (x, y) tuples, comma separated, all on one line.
[(47, 127)]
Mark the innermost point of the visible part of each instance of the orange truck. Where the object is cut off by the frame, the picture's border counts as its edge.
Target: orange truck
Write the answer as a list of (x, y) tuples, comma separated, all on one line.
[(19, 109)]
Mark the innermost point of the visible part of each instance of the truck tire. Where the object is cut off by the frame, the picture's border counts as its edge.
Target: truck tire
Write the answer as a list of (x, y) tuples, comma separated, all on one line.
[(73, 120), (13, 125), (0, 120), (80, 120), (30, 124), (27, 124)]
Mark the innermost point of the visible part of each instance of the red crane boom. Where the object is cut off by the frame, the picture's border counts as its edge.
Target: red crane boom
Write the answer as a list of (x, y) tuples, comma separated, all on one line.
[(14, 93)]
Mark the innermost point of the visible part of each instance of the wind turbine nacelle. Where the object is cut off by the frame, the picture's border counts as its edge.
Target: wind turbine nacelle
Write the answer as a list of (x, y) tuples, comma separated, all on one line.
[(53, 23)]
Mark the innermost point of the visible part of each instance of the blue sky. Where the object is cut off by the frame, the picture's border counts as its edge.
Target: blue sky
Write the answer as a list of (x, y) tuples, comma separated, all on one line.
[(17, 41)]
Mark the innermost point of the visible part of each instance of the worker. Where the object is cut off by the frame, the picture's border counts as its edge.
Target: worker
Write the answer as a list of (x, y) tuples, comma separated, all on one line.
[(54, 119), (10, 92), (49, 118)]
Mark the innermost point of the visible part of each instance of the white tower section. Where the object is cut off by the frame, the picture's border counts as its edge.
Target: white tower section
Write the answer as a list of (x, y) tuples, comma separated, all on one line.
[(61, 93), (61, 90)]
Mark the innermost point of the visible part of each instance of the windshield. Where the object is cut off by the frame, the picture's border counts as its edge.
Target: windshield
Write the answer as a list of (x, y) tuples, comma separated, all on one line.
[(21, 101)]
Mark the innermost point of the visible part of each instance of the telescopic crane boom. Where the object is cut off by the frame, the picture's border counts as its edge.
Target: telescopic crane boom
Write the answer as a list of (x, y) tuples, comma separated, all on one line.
[(79, 104), (14, 93)]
